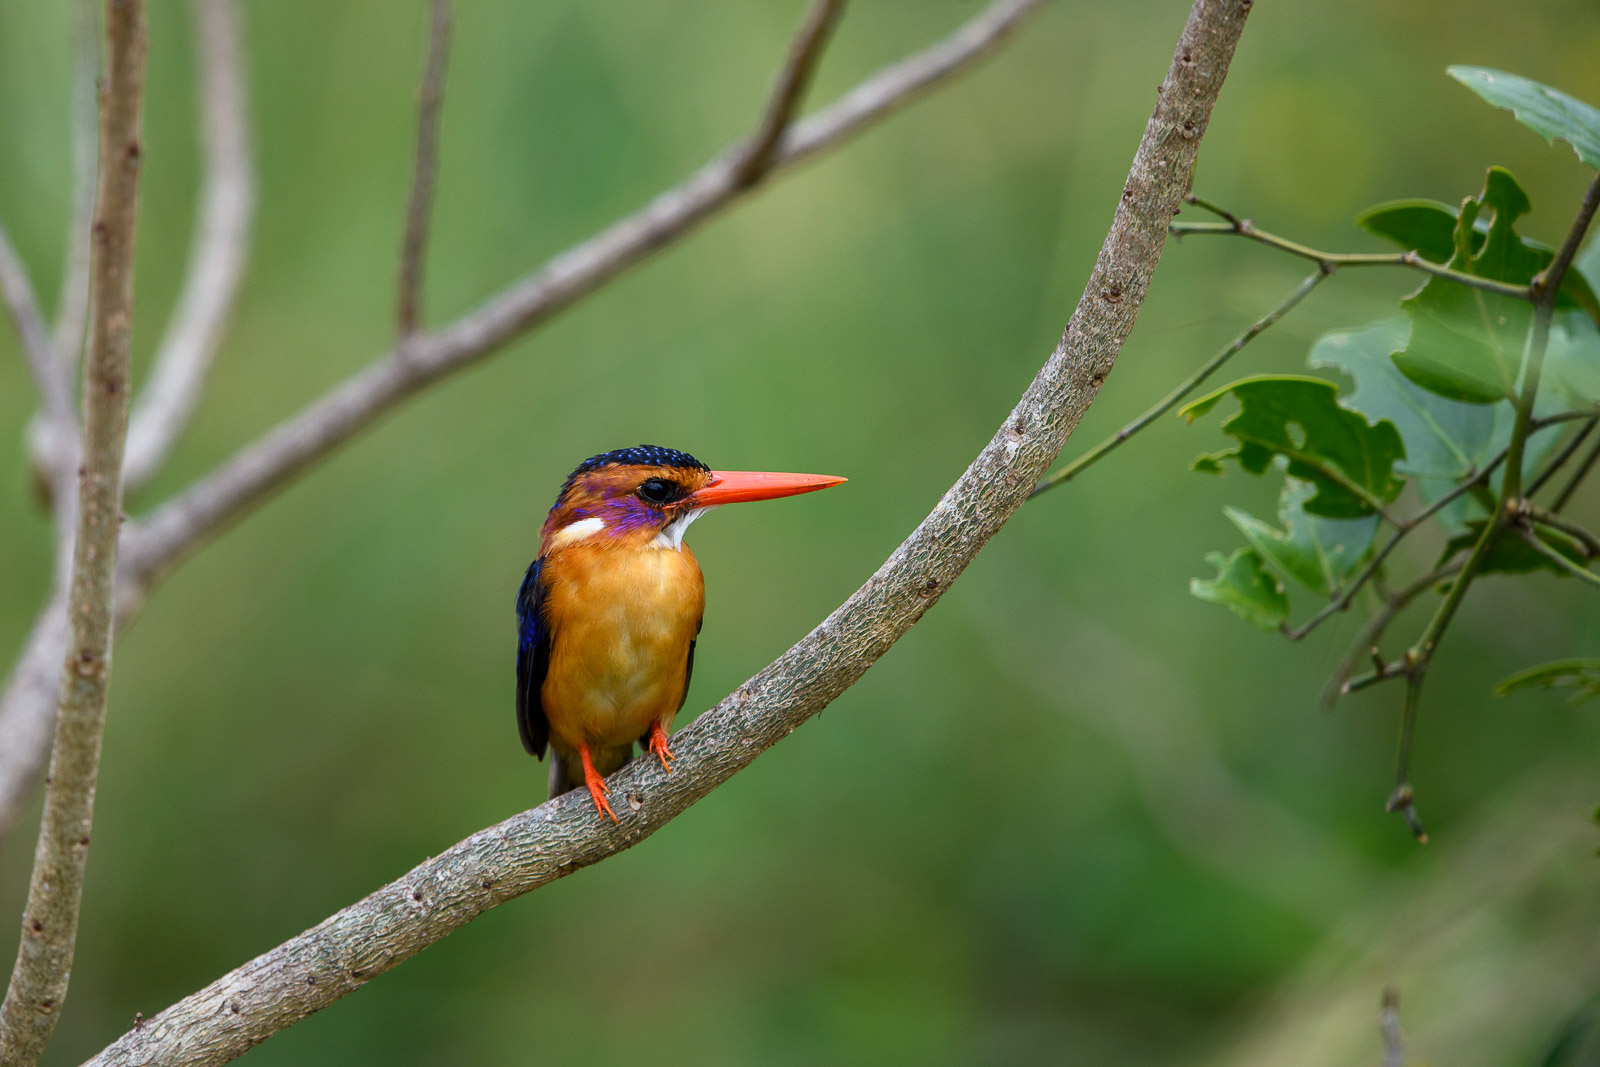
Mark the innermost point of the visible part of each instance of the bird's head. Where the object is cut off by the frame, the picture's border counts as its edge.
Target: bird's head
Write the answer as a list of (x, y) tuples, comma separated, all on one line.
[(632, 497)]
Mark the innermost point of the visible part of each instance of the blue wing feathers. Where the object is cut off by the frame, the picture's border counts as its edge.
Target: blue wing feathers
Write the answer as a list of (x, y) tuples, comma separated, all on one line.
[(533, 661)]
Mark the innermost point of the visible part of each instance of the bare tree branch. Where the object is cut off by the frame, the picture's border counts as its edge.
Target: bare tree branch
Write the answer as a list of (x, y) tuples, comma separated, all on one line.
[(311, 971), (253, 473), (34, 683), (284, 452), (217, 254), (414, 245), (50, 921), (72, 306), (805, 51), (49, 376)]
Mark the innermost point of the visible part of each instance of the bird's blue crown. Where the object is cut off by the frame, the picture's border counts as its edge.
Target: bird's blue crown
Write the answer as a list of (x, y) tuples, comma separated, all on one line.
[(638, 455)]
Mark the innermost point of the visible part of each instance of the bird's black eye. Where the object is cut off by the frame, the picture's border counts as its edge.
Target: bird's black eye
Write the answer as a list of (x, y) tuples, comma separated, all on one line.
[(657, 491)]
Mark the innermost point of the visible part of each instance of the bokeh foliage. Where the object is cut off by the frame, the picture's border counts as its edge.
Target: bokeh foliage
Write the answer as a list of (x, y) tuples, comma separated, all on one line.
[(1072, 818)]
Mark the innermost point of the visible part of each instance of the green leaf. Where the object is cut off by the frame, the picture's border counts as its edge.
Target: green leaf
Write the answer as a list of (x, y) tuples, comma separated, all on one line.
[(1510, 554), (1550, 113), (1580, 675), (1244, 588), (1348, 461), (1466, 344), (1426, 227), (1316, 552), (1572, 363)]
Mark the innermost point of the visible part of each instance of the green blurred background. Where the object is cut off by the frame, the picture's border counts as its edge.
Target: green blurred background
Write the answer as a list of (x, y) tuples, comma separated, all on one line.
[(1074, 817)]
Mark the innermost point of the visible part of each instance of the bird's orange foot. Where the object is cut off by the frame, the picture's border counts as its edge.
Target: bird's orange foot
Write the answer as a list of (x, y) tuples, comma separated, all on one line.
[(596, 784), (658, 745)]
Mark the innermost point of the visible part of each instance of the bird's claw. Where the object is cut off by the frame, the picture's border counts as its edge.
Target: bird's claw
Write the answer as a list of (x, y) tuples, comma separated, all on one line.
[(659, 746), (597, 792)]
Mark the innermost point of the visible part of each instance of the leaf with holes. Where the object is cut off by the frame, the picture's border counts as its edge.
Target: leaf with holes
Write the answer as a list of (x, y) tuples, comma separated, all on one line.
[(1244, 588), (1349, 461), (1318, 553), (1550, 113), (1427, 227), (1582, 676), (1466, 344)]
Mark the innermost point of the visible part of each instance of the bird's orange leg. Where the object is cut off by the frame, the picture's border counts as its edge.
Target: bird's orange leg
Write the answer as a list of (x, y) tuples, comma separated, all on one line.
[(596, 784), (658, 745)]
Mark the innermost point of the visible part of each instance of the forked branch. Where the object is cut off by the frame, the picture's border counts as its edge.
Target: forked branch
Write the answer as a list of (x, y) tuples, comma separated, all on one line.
[(50, 921), (536, 847), (153, 547)]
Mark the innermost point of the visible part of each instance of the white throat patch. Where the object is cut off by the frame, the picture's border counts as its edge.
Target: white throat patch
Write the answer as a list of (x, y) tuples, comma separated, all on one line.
[(672, 535)]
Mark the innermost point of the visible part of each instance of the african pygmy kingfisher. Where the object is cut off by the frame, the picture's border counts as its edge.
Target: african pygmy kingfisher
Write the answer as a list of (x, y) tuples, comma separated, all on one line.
[(609, 611)]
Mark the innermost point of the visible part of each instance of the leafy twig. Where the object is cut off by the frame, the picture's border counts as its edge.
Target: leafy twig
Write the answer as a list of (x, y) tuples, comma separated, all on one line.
[(1366, 641), (1184, 388), (50, 920), (413, 246), (1402, 528), (1247, 228), (1560, 560), (1544, 517)]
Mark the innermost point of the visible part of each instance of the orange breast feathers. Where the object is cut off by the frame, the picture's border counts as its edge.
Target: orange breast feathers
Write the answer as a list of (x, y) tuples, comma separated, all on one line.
[(621, 622)]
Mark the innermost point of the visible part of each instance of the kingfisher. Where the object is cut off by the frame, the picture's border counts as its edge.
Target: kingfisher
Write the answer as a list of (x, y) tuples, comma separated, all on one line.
[(609, 611)]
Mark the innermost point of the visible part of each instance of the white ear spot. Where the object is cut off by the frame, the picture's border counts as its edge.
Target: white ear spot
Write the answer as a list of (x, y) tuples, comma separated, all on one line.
[(577, 531), (672, 535)]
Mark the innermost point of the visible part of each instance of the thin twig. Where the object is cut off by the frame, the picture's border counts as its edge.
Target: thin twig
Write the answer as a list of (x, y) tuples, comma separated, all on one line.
[(425, 167), (50, 920), (1187, 386), (1235, 226), (1558, 558), (218, 252), (1394, 1049), (1402, 528), (1544, 517), (1561, 458), (1539, 422), (286, 451), (1366, 641), (308, 972), (49, 376), (1578, 476), (788, 90)]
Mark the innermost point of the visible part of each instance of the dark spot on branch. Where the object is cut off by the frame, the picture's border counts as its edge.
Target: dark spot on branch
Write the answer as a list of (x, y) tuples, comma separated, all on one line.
[(1188, 131), (1127, 193), (84, 840), (635, 801), (929, 587), (1097, 379), (1188, 57), (138, 1021), (134, 151), (36, 926), (46, 1005), (1112, 295), (234, 1007), (416, 894)]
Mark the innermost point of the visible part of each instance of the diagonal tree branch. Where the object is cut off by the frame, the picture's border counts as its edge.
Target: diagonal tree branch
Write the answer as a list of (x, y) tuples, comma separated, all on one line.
[(49, 375), (294, 446), (413, 245), (805, 52), (284, 452), (217, 256), (50, 921), (531, 849)]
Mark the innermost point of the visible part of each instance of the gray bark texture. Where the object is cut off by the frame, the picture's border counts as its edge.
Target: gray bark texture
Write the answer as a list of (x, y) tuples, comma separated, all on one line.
[(50, 920), (338, 956)]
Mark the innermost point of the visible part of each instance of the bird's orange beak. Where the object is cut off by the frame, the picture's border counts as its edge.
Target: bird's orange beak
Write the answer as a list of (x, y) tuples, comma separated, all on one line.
[(733, 487)]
